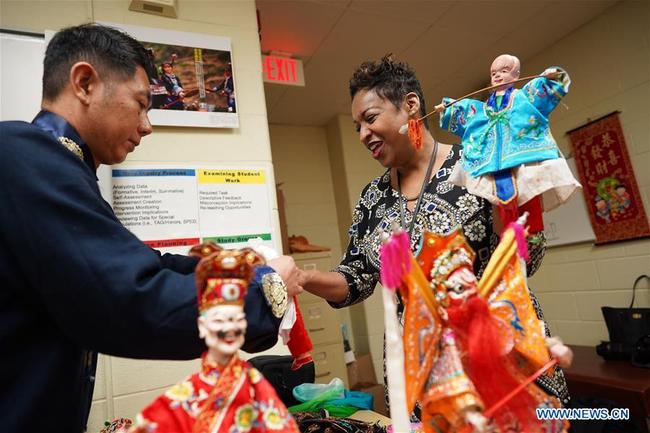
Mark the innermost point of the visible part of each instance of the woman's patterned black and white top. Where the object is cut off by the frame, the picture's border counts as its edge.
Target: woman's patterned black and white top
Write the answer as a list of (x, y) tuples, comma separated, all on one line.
[(444, 207)]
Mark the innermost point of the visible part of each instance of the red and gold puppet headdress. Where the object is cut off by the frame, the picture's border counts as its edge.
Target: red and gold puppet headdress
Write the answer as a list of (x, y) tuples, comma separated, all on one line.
[(222, 276), (441, 256)]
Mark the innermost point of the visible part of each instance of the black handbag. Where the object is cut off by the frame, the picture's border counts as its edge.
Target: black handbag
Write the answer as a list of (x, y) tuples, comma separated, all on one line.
[(628, 329), (277, 370)]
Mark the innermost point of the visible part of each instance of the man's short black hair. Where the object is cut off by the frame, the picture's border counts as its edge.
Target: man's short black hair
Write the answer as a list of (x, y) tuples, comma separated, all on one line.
[(109, 50), (391, 79)]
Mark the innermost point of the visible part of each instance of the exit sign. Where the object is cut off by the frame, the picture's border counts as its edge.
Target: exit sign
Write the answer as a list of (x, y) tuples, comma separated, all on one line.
[(283, 70)]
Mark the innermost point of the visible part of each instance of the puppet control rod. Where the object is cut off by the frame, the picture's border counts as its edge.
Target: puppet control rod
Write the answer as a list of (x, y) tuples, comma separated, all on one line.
[(491, 411), (439, 108)]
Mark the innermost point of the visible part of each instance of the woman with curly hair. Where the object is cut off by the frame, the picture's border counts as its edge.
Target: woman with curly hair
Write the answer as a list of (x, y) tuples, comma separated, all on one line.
[(413, 191)]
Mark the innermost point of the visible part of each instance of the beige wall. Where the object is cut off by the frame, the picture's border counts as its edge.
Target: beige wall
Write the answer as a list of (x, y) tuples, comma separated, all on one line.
[(608, 60), (301, 162), (302, 165), (125, 386), (323, 170)]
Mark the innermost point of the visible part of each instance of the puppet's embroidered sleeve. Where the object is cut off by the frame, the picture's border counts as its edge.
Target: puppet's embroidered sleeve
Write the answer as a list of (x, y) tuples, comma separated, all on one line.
[(545, 93), (455, 119)]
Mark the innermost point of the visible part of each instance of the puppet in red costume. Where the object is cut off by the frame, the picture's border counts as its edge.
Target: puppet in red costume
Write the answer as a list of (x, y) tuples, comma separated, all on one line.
[(292, 328), (228, 395)]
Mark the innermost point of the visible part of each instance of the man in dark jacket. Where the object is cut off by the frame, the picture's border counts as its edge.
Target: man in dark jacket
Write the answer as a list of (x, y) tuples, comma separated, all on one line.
[(73, 280)]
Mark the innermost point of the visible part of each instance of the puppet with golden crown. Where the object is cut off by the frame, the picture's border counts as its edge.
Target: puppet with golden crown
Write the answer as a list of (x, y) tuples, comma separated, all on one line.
[(470, 345), (228, 395)]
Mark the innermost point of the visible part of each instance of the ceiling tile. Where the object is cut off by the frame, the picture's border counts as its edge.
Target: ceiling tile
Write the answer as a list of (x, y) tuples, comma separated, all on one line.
[(450, 43), (357, 37), (296, 27), (425, 11)]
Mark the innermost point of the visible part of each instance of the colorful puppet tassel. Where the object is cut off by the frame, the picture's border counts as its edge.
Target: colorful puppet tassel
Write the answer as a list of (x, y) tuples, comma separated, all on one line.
[(395, 262), (415, 133), (520, 238), (299, 342)]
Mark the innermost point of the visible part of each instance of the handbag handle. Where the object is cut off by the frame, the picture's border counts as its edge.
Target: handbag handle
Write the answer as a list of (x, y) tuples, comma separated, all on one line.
[(639, 278)]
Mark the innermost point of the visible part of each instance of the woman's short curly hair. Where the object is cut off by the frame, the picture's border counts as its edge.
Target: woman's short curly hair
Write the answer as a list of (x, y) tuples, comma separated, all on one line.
[(391, 79)]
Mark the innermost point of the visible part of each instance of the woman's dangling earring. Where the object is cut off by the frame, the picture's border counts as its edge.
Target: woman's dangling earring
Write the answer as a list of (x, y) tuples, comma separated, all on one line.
[(415, 133)]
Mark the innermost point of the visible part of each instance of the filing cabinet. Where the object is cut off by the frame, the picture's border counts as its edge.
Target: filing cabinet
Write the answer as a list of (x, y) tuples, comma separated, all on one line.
[(323, 324)]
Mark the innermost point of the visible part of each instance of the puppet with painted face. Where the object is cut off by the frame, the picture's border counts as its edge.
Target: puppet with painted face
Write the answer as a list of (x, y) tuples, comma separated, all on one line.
[(468, 344), (228, 394), (509, 156)]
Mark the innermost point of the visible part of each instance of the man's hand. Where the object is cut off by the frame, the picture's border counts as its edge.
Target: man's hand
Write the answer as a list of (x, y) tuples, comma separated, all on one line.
[(289, 272)]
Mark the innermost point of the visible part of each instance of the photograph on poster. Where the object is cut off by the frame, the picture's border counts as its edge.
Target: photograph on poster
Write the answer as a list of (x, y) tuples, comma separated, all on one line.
[(194, 83)]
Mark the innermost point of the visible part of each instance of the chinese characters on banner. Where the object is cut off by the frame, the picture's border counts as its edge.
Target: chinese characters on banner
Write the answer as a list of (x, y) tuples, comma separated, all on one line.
[(608, 183)]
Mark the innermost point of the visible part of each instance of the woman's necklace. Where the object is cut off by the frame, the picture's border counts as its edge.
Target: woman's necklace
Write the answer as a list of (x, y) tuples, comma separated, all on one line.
[(418, 203)]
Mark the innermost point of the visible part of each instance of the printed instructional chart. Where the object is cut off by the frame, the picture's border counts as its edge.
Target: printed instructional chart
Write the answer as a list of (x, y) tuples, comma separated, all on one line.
[(172, 209)]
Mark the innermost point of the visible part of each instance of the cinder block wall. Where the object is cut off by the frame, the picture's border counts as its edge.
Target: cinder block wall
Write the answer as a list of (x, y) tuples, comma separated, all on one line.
[(301, 162), (608, 62)]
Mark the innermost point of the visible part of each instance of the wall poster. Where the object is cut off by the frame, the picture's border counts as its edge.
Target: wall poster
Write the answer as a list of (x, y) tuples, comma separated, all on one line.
[(174, 208), (195, 83)]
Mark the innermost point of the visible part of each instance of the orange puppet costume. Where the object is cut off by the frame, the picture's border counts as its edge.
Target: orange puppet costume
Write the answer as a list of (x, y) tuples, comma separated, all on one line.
[(228, 394), (468, 344)]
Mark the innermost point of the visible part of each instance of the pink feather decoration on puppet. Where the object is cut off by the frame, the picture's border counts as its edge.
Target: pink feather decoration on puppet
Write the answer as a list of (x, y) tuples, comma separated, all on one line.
[(395, 261), (520, 237)]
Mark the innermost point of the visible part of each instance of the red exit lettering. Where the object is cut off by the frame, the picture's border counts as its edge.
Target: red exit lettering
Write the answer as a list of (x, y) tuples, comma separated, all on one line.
[(280, 69)]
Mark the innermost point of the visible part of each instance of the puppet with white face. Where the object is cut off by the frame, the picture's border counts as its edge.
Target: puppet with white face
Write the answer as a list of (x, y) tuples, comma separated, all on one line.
[(228, 394), (223, 329)]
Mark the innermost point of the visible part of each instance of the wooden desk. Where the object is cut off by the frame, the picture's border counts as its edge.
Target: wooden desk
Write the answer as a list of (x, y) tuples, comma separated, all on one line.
[(617, 381)]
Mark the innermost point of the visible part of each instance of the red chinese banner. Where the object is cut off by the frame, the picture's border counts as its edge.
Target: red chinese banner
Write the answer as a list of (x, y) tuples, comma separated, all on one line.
[(608, 183)]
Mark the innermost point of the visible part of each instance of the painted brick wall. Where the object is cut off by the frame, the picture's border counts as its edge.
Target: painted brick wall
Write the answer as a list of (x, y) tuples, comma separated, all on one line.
[(608, 62)]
